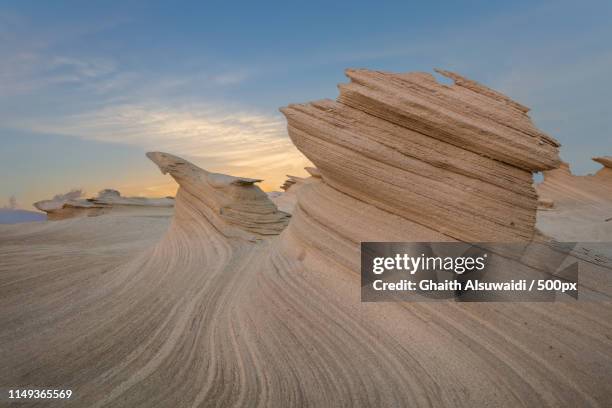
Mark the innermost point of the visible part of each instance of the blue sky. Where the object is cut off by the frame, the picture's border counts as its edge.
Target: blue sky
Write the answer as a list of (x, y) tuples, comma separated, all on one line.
[(86, 88)]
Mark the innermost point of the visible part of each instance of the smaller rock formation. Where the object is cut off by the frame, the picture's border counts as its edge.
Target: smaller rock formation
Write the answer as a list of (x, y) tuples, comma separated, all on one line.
[(291, 180), (287, 200), (582, 204), (606, 161), (235, 206), (71, 204), (605, 174), (113, 197)]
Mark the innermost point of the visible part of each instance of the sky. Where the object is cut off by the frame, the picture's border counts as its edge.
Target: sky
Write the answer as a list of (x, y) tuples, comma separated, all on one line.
[(86, 88)]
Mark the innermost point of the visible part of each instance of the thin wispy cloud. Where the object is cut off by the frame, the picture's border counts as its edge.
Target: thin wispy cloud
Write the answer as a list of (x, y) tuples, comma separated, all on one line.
[(151, 125), (30, 60), (149, 110), (238, 141)]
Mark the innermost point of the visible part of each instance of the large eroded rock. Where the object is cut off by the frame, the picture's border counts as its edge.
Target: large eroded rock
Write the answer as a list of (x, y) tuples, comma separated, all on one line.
[(455, 160)]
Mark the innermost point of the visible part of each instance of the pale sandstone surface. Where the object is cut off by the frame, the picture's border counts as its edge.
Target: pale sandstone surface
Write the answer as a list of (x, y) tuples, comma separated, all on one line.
[(233, 307)]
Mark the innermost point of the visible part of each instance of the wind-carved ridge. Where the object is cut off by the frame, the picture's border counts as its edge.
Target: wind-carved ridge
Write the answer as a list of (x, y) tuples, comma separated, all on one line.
[(234, 205)]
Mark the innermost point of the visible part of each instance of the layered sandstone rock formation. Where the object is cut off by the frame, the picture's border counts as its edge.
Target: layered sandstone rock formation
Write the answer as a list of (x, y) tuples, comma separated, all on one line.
[(582, 204), (71, 204), (430, 162), (233, 307)]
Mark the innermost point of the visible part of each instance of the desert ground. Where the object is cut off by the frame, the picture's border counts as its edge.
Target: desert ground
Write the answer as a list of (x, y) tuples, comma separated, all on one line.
[(228, 296)]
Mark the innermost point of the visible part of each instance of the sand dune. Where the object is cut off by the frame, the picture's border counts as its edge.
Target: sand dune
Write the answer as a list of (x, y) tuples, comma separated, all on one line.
[(240, 304)]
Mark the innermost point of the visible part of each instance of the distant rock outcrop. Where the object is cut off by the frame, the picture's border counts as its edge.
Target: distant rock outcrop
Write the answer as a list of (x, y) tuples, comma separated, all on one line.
[(71, 204), (291, 180), (582, 204)]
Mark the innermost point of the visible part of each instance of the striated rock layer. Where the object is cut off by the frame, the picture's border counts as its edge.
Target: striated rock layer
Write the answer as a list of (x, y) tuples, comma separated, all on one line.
[(230, 309), (457, 160)]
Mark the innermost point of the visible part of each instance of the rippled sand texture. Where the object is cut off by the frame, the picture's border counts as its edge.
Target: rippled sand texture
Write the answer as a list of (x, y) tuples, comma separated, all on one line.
[(239, 304)]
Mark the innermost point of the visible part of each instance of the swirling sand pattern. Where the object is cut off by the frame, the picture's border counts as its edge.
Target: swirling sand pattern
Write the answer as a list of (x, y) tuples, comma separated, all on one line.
[(201, 320)]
